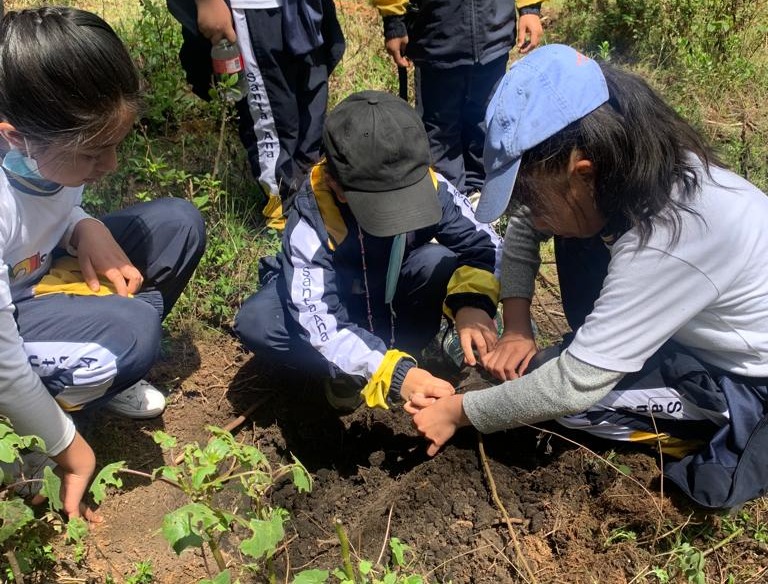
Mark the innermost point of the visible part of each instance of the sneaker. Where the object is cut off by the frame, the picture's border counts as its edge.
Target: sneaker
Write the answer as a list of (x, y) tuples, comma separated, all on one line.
[(343, 394), (140, 401), (474, 199), (450, 344)]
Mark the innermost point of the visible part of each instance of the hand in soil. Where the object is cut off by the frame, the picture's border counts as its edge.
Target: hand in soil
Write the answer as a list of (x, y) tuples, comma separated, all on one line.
[(510, 358), (421, 381), (437, 420), (477, 332), (75, 466)]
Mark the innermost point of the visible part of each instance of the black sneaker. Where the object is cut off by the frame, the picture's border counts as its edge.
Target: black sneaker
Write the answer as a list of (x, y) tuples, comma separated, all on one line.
[(343, 393)]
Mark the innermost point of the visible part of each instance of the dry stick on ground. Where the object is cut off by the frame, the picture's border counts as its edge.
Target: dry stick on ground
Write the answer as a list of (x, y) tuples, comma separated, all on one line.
[(500, 505), (13, 564), (234, 423), (549, 316), (551, 286), (386, 535)]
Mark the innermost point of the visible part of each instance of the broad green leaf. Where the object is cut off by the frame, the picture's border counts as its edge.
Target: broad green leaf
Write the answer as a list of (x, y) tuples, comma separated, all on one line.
[(266, 535), (201, 474), (311, 577), (220, 578), (253, 456), (389, 578), (365, 567), (171, 473), (77, 529), (217, 450), (398, 551), (413, 579), (8, 449), (190, 526), (51, 488), (201, 202), (164, 440), (341, 575), (301, 477), (107, 477), (14, 514)]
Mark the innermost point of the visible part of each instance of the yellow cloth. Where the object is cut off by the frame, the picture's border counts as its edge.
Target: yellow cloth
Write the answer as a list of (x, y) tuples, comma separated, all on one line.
[(676, 447), (65, 277), (273, 211), (467, 279), (329, 208), (376, 391)]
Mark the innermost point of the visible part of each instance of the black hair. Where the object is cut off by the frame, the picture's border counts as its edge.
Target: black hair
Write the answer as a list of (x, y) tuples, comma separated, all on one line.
[(640, 149), (64, 75)]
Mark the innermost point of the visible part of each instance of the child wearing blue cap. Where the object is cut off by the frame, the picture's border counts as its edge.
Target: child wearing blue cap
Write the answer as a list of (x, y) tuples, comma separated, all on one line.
[(668, 301)]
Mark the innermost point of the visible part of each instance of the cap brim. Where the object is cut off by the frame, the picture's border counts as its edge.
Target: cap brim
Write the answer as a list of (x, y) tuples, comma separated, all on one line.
[(496, 193), (388, 213)]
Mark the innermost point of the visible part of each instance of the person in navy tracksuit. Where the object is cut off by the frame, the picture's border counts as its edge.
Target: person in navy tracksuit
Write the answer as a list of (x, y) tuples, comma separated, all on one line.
[(289, 49), (460, 50), (326, 303)]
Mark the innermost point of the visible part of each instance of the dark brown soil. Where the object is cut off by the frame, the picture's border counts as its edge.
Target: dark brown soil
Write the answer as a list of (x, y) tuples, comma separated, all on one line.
[(573, 517)]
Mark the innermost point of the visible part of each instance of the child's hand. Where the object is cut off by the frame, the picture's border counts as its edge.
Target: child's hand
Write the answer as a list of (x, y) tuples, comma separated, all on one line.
[(529, 32), (396, 49), (76, 464), (424, 383), (99, 254), (214, 21), (438, 421), (510, 358), (477, 331)]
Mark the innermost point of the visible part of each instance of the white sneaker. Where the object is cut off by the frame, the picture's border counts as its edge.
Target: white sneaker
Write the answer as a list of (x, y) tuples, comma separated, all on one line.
[(140, 401)]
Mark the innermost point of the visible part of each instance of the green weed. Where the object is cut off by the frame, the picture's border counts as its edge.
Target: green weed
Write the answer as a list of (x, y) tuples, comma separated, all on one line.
[(201, 473)]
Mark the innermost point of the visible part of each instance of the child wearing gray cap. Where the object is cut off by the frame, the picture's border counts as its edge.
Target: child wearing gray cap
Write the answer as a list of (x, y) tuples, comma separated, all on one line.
[(662, 257), (376, 248)]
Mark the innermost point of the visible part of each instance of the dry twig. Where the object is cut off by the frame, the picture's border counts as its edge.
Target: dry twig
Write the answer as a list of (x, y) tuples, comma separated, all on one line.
[(386, 535), (500, 505)]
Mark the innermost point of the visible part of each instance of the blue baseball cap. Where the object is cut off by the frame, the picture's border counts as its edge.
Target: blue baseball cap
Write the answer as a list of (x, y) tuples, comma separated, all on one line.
[(541, 94)]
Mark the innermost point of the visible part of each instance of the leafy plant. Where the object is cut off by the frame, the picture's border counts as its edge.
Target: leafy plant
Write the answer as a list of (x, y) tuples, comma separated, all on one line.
[(201, 473), (365, 571), (618, 535), (142, 574), (691, 563), (23, 536)]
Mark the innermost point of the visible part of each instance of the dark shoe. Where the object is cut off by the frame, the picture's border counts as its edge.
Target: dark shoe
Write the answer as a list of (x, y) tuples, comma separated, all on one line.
[(343, 393)]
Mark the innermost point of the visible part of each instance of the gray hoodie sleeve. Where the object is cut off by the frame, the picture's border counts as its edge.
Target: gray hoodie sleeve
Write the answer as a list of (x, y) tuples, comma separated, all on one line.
[(24, 400), (560, 387), (520, 257)]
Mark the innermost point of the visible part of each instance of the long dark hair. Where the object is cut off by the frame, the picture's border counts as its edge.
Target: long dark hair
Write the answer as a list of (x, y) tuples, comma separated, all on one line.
[(640, 148), (64, 74)]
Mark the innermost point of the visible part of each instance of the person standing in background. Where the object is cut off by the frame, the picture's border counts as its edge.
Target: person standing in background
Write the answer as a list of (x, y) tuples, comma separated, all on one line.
[(289, 48), (460, 49)]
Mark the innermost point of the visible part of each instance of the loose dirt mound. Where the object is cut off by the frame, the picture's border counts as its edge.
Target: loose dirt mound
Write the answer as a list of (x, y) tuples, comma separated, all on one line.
[(573, 516)]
